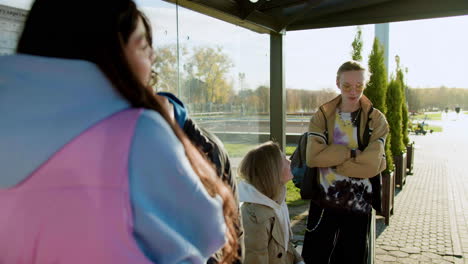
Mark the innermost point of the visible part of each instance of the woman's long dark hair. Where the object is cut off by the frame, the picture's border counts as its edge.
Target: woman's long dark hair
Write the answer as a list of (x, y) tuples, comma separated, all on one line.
[(96, 31)]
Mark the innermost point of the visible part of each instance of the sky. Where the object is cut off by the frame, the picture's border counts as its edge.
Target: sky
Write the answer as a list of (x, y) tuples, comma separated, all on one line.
[(434, 50)]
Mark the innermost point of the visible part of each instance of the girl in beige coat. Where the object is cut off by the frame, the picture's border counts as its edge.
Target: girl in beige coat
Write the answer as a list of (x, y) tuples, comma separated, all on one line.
[(262, 193)]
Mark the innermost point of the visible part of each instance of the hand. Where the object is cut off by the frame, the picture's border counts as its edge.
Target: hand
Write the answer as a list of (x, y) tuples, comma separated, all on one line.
[(353, 153)]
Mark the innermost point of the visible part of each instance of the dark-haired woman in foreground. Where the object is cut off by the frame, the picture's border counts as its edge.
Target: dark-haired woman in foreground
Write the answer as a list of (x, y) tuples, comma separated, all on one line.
[(92, 172)]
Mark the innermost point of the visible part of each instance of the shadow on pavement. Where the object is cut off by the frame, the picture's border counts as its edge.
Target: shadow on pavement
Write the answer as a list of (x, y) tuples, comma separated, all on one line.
[(379, 226)]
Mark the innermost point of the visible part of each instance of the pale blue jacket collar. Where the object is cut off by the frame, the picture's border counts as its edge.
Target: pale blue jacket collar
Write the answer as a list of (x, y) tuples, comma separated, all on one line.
[(48, 84), (44, 103)]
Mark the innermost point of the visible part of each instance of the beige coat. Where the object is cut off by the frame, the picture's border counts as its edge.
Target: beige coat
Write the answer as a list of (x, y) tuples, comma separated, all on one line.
[(321, 153), (264, 236)]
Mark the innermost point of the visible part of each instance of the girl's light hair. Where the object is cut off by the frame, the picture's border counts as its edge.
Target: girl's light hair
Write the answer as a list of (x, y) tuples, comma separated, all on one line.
[(262, 167)]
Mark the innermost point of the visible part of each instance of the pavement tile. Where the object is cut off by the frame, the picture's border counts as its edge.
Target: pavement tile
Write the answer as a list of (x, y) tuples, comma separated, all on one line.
[(380, 251), (413, 250), (398, 254), (449, 258), (431, 255), (408, 261), (389, 248), (385, 258), (421, 258)]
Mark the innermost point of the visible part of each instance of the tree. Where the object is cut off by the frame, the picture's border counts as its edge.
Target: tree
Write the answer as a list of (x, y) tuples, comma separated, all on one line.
[(325, 95), (292, 100), (249, 100), (414, 101), (376, 90), (420, 99), (404, 106), (210, 66), (263, 94), (308, 100), (394, 102), (357, 45), (388, 154), (195, 91), (166, 67)]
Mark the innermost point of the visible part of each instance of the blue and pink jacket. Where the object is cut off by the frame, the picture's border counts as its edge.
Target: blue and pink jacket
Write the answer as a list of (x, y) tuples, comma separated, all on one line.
[(86, 179)]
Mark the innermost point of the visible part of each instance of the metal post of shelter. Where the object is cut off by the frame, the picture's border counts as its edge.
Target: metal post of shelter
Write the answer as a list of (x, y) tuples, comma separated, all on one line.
[(382, 33), (277, 91)]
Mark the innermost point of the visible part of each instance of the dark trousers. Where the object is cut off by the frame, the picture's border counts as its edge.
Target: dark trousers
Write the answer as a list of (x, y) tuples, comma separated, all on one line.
[(337, 238)]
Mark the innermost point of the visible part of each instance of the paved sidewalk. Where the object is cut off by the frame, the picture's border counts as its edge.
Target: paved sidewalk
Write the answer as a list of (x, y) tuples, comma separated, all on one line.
[(420, 231)]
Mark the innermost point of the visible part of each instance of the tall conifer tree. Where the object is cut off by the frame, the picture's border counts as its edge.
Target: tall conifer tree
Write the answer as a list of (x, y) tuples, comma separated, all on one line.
[(394, 103), (376, 89), (356, 52), (404, 105)]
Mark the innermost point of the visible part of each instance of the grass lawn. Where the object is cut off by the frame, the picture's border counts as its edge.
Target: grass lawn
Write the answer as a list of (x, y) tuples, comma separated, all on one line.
[(430, 116), (435, 128), (238, 150), (293, 197), (290, 150)]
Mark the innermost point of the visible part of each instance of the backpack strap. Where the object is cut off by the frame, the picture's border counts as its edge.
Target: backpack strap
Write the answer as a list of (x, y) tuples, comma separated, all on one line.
[(296, 157), (305, 136), (301, 147), (376, 181), (325, 133), (367, 130)]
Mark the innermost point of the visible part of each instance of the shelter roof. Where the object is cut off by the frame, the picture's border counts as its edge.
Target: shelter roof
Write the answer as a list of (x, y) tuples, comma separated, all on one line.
[(276, 16)]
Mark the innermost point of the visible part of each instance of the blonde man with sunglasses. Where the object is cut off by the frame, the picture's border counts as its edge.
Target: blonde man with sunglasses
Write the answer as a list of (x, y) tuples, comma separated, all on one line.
[(347, 143)]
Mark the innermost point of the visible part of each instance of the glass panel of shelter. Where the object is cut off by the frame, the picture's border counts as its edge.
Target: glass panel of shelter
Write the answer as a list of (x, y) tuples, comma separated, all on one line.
[(219, 70)]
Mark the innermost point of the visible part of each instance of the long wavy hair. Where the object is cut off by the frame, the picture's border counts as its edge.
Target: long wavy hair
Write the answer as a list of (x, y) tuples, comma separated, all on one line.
[(97, 31)]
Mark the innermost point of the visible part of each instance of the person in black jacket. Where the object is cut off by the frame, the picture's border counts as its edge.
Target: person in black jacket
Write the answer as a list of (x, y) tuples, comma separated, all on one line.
[(210, 145)]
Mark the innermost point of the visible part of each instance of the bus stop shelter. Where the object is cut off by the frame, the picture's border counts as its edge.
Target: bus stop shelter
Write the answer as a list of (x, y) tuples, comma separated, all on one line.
[(276, 17)]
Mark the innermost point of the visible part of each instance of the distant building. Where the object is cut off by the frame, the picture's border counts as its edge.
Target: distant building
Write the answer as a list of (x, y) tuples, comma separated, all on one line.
[(11, 24)]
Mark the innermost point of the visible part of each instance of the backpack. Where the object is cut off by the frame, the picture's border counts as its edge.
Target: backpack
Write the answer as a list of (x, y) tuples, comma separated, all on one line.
[(298, 160), (304, 177)]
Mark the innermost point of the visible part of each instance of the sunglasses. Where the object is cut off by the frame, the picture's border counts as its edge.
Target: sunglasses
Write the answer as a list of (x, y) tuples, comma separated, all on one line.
[(347, 88)]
